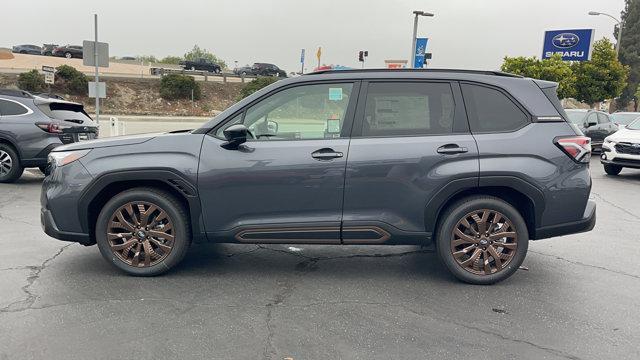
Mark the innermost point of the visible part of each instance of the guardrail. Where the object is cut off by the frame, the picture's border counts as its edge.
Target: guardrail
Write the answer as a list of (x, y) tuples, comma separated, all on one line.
[(157, 71)]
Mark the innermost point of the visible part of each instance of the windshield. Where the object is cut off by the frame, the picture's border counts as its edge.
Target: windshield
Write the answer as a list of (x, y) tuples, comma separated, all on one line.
[(624, 119), (634, 125), (576, 117)]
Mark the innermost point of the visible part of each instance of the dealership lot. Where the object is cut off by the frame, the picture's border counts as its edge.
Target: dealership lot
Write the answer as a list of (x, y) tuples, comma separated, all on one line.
[(575, 298)]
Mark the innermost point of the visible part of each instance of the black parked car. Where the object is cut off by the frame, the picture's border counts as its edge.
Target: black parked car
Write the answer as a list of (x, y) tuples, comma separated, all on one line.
[(201, 64), (68, 51), (597, 125), (471, 163), (47, 49), (265, 69), (32, 126), (27, 49), (244, 71)]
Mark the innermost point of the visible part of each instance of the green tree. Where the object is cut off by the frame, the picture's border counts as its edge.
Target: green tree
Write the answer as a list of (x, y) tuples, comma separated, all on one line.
[(637, 97), (630, 48), (31, 81), (552, 69), (199, 53), (71, 80), (171, 60), (603, 77)]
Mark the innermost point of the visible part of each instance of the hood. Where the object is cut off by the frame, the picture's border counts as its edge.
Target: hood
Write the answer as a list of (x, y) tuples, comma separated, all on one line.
[(107, 142), (625, 135)]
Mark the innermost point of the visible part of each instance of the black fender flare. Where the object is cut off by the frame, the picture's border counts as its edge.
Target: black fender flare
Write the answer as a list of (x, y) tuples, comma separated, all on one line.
[(169, 176)]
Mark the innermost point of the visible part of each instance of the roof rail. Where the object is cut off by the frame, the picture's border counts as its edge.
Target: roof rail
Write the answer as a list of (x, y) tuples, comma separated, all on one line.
[(465, 71), (15, 93)]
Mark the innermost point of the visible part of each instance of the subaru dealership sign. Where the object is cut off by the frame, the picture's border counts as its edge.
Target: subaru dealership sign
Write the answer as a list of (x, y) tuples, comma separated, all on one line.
[(572, 45)]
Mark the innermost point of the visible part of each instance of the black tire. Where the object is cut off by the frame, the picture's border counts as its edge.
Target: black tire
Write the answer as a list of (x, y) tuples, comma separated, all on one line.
[(175, 212), (612, 169), (68, 55), (10, 161), (460, 210)]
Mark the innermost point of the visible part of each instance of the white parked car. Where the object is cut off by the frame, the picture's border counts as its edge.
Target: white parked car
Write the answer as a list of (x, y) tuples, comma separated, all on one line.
[(622, 149)]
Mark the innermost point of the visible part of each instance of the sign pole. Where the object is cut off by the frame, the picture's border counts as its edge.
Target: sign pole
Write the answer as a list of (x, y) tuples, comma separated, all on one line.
[(97, 80), (413, 42)]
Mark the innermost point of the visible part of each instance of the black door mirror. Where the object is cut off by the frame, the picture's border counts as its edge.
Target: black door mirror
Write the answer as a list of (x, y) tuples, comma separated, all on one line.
[(235, 135)]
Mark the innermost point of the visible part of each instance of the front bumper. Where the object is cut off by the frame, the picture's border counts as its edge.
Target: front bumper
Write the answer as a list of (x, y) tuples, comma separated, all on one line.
[(610, 156), (50, 228), (587, 223)]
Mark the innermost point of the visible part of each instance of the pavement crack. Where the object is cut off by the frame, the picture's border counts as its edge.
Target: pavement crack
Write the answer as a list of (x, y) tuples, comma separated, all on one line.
[(615, 205), (286, 289), (586, 265), (34, 274)]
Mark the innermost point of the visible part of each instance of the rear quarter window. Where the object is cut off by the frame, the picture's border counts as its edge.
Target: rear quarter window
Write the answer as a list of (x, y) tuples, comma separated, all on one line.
[(490, 110), (11, 108), (65, 112)]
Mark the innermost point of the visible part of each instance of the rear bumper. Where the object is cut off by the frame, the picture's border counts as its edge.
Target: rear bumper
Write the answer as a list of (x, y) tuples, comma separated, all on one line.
[(50, 228), (587, 223)]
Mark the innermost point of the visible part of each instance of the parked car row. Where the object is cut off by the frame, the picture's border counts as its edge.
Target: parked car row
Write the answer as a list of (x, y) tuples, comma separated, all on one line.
[(68, 51), (261, 69), (598, 125)]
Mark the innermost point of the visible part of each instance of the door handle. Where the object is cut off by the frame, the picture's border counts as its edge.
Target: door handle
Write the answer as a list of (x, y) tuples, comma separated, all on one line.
[(451, 149), (326, 154)]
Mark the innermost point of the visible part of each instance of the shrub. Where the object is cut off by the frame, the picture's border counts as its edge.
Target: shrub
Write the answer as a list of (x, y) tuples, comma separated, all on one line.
[(31, 81), (178, 86), (256, 85), (71, 80)]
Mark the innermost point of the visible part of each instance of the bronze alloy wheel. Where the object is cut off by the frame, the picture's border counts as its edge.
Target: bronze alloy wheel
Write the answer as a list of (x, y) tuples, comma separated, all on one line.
[(141, 234), (484, 242)]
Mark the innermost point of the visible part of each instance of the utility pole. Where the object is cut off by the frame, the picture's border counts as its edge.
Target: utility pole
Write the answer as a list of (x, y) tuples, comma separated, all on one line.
[(620, 25), (95, 57), (415, 35)]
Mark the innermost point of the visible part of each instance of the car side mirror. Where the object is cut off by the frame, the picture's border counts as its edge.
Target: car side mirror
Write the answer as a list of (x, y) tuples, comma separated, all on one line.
[(236, 135)]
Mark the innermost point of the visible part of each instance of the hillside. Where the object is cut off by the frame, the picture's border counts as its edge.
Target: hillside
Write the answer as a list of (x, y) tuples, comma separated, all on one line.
[(134, 96)]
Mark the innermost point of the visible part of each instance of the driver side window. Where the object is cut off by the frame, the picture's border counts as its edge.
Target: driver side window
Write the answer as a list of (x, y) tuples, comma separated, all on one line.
[(300, 113)]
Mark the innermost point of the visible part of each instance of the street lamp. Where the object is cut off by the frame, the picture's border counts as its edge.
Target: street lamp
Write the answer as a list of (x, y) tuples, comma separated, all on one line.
[(596, 13), (415, 34)]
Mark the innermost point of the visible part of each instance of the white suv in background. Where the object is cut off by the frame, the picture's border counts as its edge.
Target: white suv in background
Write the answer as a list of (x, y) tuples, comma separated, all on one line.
[(622, 149)]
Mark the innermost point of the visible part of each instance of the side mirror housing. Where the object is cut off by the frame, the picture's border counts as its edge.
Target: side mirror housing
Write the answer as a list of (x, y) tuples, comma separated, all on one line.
[(235, 135)]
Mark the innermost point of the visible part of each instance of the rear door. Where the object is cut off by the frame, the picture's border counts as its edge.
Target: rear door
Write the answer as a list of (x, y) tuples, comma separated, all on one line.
[(410, 140)]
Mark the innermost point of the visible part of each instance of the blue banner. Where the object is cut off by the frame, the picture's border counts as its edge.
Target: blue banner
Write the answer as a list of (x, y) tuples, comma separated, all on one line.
[(421, 49), (572, 45)]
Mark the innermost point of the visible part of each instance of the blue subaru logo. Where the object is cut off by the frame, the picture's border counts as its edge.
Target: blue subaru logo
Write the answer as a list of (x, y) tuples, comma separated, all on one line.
[(565, 40)]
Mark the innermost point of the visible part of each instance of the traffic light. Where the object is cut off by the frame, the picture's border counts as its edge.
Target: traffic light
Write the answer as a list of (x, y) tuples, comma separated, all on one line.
[(361, 56)]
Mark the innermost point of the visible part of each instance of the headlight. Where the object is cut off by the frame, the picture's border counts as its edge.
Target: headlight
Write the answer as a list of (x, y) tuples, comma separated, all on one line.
[(61, 158)]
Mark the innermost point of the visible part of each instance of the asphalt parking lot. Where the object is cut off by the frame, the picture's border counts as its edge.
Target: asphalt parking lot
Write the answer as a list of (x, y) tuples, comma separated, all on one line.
[(577, 297)]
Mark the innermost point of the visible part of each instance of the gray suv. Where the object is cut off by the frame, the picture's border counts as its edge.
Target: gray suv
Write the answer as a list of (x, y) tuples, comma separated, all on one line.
[(31, 126), (472, 164)]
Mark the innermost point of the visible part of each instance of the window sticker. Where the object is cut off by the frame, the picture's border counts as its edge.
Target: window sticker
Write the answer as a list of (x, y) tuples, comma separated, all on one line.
[(333, 126), (335, 94)]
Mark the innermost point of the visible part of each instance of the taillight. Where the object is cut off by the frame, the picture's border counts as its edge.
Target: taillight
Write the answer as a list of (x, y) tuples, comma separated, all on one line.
[(576, 147), (52, 127)]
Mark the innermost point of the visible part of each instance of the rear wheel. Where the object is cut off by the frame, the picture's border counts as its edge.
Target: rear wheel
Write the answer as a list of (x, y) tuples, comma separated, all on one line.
[(612, 169), (68, 55), (143, 231), (10, 167), (482, 240)]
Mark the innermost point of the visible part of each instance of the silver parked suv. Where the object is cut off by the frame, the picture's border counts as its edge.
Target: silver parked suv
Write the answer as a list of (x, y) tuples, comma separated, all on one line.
[(31, 126), (472, 163)]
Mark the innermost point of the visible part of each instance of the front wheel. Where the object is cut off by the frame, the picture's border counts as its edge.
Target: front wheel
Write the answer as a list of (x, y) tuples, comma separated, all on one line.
[(482, 240), (68, 55), (143, 231), (612, 169)]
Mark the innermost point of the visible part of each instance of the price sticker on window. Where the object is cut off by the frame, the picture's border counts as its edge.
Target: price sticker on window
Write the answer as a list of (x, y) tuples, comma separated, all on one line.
[(333, 126)]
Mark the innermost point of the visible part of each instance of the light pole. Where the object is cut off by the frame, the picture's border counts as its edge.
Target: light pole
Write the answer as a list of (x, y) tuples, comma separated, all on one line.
[(596, 13), (416, 13)]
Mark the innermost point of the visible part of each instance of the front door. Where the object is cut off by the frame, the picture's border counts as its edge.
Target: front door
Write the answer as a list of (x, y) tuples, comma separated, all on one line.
[(285, 184)]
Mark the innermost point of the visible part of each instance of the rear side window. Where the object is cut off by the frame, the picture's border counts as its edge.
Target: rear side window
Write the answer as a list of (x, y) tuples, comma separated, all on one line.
[(10, 108), (65, 112), (408, 108), (490, 110)]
